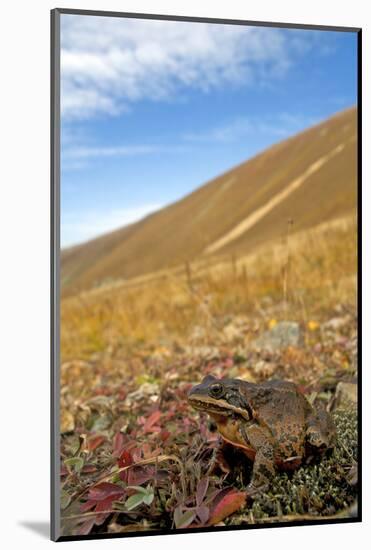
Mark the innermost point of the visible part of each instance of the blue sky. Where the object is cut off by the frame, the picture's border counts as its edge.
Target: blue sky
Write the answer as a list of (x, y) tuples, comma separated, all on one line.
[(153, 109)]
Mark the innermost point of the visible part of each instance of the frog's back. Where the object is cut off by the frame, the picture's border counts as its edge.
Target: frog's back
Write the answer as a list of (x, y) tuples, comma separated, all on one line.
[(279, 385), (283, 410)]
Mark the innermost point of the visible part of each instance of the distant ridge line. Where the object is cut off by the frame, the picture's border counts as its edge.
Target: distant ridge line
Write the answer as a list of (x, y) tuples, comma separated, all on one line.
[(310, 177)]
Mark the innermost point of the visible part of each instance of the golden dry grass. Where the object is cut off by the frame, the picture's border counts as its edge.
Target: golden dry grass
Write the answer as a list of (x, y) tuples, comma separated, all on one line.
[(303, 275)]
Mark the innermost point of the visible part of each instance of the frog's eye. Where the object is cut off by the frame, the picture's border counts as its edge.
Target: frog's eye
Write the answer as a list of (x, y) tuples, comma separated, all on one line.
[(216, 390)]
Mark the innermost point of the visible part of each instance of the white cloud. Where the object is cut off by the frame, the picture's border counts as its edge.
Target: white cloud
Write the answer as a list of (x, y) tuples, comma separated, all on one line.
[(230, 131), (77, 228), (280, 125), (81, 153), (109, 63)]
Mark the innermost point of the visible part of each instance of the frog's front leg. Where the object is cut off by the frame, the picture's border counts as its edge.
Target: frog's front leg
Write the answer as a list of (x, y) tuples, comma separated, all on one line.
[(219, 460), (221, 456), (264, 464)]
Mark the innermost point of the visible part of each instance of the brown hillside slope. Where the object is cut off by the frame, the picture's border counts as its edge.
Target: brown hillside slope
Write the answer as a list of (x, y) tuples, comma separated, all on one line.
[(325, 154)]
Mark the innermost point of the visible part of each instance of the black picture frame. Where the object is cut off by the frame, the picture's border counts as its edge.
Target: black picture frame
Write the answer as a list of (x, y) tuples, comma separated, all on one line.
[(55, 263)]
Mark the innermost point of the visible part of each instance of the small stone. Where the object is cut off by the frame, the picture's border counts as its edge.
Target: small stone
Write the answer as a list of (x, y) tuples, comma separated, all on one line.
[(346, 395), (242, 373), (198, 334), (204, 352), (317, 348), (264, 369), (352, 477), (147, 390), (282, 335), (232, 333), (336, 323)]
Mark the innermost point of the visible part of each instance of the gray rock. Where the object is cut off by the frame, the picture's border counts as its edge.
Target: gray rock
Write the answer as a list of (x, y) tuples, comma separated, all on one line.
[(283, 335), (205, 352), (232, 333), (147, 391), (346, 395)]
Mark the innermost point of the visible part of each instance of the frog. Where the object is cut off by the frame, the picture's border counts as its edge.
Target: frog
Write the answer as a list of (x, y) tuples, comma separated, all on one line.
[(271, 422)]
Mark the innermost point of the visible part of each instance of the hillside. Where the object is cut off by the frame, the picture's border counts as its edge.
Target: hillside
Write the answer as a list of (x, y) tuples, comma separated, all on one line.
[(309, 178)]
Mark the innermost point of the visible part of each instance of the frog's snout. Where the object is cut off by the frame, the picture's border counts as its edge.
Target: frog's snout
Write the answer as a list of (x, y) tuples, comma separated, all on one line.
[(194, 391)]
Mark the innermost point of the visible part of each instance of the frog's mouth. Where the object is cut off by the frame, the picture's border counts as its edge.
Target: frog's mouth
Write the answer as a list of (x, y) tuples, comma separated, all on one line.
[(217, 407)]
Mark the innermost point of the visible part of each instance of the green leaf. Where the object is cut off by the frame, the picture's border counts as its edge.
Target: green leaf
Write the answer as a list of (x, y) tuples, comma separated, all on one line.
[(101, 423), (75, 463), (65, 499), (116, 478), (147, 493), (148, 498), (183, 519), (134, 501), (73, 445)]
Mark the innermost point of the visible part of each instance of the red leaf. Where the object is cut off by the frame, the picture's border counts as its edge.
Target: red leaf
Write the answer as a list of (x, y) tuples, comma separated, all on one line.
[(138, 476), (106, 504), (88, 505), (137, 454), (225, 503), (101, 518), (164, 435), (94, 442), (118, 443), (89, 469), (151, 421), (105, 490), (86, 527), (125, 459), (124, 476), (101, 505)]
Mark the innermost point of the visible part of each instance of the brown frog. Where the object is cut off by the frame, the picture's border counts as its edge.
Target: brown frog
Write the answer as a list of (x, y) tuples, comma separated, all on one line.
[(272, 423)]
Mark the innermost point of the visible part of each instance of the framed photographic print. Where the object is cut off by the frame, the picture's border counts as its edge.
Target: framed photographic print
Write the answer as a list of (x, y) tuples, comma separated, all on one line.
[(205, 246)]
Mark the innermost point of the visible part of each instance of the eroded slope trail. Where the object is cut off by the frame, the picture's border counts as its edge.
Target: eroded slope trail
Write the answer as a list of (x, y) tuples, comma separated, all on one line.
[(256, 216)]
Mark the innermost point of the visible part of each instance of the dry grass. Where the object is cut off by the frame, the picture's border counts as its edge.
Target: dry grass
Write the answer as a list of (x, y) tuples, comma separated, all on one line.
[(303, 276)]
